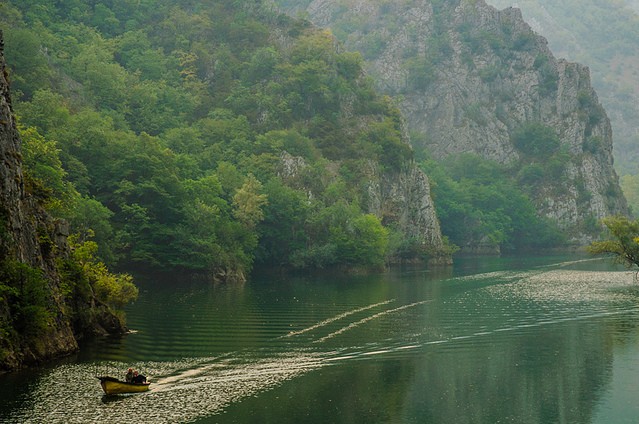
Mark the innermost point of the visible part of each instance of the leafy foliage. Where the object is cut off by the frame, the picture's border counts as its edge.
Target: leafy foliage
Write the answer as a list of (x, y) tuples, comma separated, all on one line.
[(25, 290), (536, 140), (115, 290), (542, 159), (624, 245), (479, 204), (158, 128)]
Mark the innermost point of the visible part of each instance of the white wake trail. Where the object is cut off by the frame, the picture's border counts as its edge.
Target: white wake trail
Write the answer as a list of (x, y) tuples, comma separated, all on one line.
[(336, 318), (370, 318)]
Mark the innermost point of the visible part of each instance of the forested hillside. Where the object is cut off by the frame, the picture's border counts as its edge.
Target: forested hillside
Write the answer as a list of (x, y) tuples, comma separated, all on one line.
[(208, 136), (604, 36)]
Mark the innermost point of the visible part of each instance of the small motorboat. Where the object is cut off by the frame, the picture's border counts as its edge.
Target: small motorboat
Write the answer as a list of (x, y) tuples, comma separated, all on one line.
[(113, 386)]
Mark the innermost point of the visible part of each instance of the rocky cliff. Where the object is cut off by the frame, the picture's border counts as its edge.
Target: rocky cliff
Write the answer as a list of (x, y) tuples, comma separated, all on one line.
[(403, 198), (471, 79), (37, 320)]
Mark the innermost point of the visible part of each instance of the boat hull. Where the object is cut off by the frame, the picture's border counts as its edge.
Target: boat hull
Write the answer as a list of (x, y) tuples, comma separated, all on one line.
[(113, 386)]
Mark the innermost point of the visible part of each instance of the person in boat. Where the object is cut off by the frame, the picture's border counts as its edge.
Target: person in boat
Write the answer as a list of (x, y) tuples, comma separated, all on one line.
[(129, 375), (138, 378)]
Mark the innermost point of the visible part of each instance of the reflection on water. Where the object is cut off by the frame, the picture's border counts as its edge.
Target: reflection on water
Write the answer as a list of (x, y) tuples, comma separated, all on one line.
[(525, 345)]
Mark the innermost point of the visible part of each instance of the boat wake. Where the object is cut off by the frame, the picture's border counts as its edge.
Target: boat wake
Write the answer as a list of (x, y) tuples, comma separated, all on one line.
[(336, 318), (182, 391), (367, 319), (177, 395)]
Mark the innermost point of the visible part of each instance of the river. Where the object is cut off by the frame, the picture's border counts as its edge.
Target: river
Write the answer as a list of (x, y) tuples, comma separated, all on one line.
[(501, 340)]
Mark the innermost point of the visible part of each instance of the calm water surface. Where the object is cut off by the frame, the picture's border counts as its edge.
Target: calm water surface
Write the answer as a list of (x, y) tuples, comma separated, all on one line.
[(534, 340)]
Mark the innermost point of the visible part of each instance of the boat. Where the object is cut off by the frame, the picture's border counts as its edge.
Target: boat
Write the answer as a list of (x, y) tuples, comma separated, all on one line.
[(113, 386)]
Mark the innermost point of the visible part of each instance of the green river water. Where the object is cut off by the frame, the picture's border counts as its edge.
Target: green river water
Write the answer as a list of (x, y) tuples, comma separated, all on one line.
[(507, 340)]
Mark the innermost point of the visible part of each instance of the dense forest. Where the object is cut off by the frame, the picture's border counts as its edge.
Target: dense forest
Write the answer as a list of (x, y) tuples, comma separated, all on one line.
[(158, 130)]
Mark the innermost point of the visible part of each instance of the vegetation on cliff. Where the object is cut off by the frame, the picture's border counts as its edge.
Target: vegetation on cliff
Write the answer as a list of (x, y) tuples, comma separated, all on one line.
[(51, 293), (581, 31), (43, 312), (482, 209)]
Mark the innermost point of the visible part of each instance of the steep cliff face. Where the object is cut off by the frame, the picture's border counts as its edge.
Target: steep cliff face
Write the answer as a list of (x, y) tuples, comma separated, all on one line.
[(30, 244), (471, 78)]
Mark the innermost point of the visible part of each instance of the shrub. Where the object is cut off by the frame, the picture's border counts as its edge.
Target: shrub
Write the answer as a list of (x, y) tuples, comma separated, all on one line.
[(524, 41), (593, 144), (115, 290), (25, 290), (536, 140), (531, 174)]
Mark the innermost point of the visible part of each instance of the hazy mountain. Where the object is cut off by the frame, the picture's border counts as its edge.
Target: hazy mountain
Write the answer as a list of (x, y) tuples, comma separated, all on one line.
[(472, 79)]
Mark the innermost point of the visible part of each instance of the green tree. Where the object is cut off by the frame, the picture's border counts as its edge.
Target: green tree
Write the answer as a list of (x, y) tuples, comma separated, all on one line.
[(115, 290), (47, 111), (90, 219), (248, 202), (341, 235), (27, 58), (282, 231), (365, 242), (135, 52), (536, 139), (104, 19), (624, 244), (42, 161), (25, 289)]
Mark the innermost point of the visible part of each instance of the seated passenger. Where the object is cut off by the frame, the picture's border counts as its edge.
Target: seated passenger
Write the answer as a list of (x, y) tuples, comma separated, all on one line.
[(129, 375), (138, 378)]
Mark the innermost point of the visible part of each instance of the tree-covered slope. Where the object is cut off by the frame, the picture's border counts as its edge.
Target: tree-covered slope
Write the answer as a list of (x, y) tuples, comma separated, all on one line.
[(176, 123), (53, 290)]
